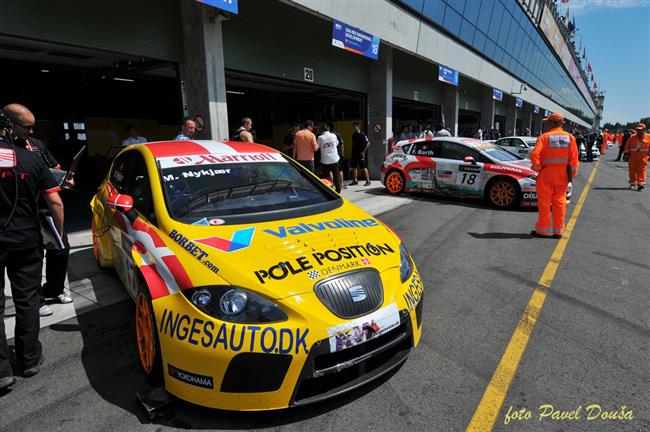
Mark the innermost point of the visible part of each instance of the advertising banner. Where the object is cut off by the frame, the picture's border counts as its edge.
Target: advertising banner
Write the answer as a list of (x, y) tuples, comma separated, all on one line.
[(226, 5), (448, 75), (355, 40)]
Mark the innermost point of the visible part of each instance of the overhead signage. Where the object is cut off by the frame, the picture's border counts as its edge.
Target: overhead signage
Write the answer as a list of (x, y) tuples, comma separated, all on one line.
[(547, 113), (536, 109), (355, 40), (448, 75), (497, 94), (519, 103), (226, 5), (308, 74)]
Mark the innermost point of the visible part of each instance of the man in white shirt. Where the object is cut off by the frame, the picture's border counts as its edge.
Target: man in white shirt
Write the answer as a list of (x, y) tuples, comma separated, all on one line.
[(329, 156), (133, 137)]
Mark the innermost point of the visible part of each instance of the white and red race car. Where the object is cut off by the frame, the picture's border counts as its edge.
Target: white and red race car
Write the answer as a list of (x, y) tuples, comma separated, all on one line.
[(462, 167)]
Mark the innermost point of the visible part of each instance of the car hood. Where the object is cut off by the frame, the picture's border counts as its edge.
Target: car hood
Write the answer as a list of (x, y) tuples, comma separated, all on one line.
[(521, 167), (287, 257)]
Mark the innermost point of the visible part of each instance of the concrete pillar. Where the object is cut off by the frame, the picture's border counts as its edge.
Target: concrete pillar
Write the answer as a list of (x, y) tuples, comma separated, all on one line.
[(539, 122), (527, 117), (380, 109), (511, 114), (450, 102), (487, 109), (202, 72)]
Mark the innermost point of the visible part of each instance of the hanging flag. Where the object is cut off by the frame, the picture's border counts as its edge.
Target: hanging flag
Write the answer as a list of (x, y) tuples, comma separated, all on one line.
[(565, 1), (584, 53), (589, 67)]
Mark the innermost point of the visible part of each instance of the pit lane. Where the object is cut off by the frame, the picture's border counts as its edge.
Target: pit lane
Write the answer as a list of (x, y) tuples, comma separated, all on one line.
[(479, 266)]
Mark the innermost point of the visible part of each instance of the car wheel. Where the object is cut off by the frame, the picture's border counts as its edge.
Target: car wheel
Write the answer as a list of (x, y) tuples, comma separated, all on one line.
[(97, 247), (394, 182), (147, 337), (503, 193)]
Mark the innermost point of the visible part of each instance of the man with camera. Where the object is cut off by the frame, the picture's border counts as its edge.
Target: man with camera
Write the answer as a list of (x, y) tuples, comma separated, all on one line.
[(56, 260), (23, 176)]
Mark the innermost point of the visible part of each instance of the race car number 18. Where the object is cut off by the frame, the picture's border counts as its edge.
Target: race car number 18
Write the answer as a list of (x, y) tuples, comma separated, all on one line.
[(469, 180)]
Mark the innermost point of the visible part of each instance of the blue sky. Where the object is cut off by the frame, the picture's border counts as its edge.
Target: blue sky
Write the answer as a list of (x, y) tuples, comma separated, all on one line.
[(617, 36)]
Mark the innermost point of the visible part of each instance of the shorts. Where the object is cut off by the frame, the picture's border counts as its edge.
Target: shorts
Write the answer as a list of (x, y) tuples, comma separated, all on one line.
[(356, 162)]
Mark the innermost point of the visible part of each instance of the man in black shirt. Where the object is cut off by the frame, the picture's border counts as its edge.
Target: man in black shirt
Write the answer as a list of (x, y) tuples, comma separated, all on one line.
[(359, 148), (23, 175), (56, 260)]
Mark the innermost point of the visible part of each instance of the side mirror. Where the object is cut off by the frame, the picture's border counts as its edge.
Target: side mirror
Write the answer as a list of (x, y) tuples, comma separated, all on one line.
[(469, 159), (123, 203)]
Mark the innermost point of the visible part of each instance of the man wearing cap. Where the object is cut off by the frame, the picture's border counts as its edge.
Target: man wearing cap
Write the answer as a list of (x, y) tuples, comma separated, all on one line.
[(638, 149), (555, 157)]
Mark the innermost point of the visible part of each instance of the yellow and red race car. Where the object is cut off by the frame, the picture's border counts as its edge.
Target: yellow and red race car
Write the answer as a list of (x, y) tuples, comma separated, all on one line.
[(256, 286)]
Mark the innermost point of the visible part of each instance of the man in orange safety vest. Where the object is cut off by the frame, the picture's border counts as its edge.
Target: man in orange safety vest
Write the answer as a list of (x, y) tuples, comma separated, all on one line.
[(638, 149), (555, 157)]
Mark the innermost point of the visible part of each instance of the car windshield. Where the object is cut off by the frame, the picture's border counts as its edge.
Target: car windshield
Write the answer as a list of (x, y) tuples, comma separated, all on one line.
[(500, 154), (531, 142), (223, 190)]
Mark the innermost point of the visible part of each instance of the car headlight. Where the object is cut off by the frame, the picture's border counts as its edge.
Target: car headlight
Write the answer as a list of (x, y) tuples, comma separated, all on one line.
[(234, 304), (405, 263)]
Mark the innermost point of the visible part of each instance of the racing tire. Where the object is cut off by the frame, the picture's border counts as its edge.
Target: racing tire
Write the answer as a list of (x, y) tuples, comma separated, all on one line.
[(97, 248), (504, 193), (146, 336), (395, 182)]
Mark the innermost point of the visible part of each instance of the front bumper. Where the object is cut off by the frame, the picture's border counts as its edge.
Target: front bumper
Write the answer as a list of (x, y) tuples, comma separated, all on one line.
[(328, 374), (226, 368)]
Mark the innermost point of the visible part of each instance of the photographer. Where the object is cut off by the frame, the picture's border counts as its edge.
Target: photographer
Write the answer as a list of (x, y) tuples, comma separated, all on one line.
[(23, 175), (56, 260)]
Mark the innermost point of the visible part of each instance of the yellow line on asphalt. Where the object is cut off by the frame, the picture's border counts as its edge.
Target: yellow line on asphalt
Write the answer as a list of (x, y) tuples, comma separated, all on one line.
[(488, 409)]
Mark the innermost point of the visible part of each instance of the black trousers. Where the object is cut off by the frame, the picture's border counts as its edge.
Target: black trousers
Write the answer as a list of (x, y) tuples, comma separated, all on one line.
[(334, 169), (56, 268), (24, 270), (621, 149)]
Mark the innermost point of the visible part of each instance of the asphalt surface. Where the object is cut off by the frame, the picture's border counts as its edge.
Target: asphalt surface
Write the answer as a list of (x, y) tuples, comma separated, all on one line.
[(590, 344)]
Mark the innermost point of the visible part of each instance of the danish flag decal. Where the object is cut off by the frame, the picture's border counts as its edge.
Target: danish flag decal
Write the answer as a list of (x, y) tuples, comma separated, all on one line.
[(240, 239)]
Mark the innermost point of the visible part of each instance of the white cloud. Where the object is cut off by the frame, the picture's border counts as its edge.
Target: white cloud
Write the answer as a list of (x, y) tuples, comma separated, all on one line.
[(584, 7)]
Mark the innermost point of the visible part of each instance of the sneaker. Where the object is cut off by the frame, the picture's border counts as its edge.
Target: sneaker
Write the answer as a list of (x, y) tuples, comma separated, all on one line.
[(641, 187), (344, 187), (45, 311), (34, 370), (64, 298), (354, 183), (6, 382), (633, 187), (367, 183)]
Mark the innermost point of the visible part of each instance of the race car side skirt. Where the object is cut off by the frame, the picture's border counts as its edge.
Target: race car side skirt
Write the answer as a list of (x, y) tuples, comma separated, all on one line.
[(326, 375)]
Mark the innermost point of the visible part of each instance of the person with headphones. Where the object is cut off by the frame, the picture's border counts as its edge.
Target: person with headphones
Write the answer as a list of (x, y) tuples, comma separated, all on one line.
[(23, 176), (56, 260)]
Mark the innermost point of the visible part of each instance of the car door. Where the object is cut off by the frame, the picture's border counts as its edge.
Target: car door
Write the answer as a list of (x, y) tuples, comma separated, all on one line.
[(466, 178), (129, 176), (520, 147), (422, 166)]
